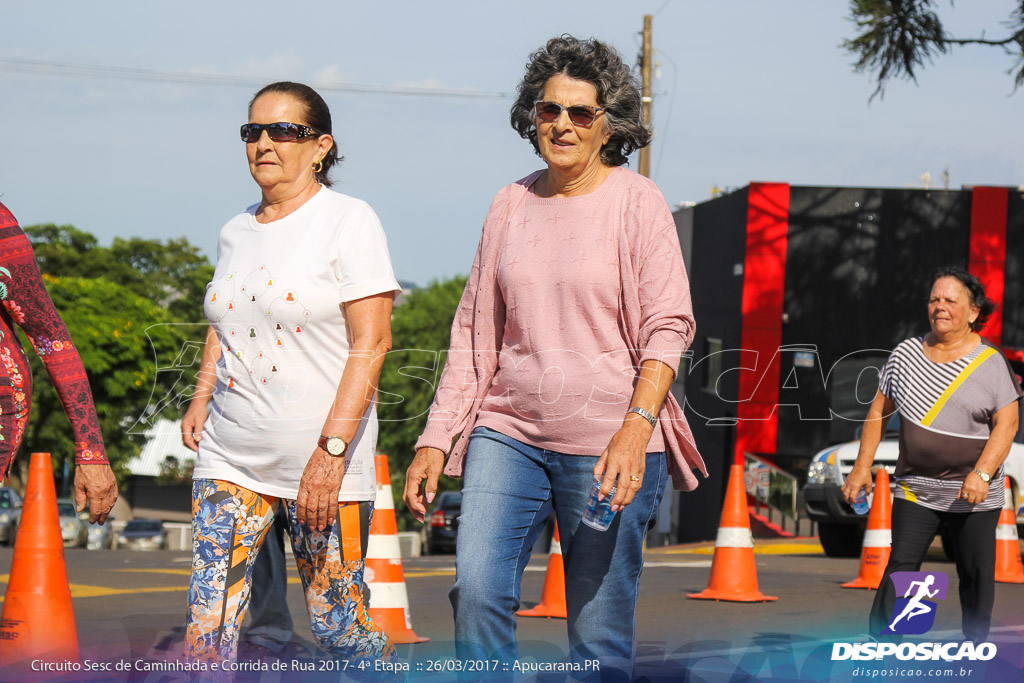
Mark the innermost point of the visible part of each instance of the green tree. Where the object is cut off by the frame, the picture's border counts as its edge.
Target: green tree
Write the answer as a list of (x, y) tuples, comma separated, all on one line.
[(897, 37), (173, 274), (420, 329), (134, 311), (117, 334)]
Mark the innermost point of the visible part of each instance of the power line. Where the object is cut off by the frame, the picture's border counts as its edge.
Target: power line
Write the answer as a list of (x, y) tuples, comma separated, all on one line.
[(34, 66)]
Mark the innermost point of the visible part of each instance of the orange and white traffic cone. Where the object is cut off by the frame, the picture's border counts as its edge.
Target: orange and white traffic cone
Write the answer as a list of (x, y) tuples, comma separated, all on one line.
[(552, 598), (733, 569), (1008, 564), (38, 621), (877, 547), (389, 601)]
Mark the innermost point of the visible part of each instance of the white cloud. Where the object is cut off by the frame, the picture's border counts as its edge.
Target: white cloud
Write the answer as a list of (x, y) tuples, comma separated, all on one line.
[(276, 65), (332, 73)]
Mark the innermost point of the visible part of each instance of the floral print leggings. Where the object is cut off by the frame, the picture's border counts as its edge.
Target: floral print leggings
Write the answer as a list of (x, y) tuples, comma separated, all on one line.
[(229, 523)]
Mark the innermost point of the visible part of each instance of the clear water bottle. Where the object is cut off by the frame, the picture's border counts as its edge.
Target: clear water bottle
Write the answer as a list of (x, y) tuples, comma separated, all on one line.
[(860, 506), (598, 514)]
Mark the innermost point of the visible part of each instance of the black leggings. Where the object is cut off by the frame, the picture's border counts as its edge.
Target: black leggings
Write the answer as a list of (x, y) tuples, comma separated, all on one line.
[(973, 536)]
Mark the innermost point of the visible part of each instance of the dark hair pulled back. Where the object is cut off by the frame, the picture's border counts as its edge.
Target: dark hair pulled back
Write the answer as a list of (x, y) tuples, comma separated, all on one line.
[(318, 116)]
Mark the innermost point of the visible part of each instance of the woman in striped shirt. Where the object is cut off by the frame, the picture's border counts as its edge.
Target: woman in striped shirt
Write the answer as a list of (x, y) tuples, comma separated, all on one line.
[(958, 402)]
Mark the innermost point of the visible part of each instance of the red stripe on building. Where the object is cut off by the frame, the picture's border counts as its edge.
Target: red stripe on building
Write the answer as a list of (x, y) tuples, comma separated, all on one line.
[(764, 279), (989, 206)]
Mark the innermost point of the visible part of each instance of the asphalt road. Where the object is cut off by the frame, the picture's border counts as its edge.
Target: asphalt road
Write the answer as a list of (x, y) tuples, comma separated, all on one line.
[(130, 607)]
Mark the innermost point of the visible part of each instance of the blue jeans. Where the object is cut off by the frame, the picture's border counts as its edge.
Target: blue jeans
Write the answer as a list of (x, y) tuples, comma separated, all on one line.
[(509, 491)]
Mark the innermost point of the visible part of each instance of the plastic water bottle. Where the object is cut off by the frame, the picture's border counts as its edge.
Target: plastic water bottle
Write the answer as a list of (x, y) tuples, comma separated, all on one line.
[(860, 506), (598, 514)]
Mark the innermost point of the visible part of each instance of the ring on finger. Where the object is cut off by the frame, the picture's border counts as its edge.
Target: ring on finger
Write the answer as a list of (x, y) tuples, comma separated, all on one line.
[(634, 478)]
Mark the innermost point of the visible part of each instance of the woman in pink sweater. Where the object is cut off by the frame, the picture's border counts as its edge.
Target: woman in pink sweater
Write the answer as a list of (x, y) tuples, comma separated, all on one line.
[(563, 349)]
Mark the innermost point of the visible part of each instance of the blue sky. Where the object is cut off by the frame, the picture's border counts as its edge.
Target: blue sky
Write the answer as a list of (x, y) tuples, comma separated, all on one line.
[(748, 91)]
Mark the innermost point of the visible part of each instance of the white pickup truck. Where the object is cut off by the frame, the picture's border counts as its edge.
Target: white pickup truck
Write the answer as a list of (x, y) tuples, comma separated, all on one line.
[(840, 529)]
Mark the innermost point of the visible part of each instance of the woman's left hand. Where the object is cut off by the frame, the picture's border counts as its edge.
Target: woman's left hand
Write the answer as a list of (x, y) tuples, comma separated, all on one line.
[(316, 505), (973, 490), (96, 487), (625, 458)]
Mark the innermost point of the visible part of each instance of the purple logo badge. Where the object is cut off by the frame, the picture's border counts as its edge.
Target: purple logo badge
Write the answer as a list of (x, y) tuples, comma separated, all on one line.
[(915, 610)]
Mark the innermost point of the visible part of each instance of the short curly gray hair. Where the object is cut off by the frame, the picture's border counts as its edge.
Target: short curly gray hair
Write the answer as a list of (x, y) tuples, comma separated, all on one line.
[(596, 63)]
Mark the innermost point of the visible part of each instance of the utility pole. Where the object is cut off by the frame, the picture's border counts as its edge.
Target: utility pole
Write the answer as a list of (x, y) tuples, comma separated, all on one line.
[(645, 70)]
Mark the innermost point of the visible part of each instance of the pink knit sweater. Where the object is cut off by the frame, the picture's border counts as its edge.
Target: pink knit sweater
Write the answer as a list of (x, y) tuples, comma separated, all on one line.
[(565, 300)]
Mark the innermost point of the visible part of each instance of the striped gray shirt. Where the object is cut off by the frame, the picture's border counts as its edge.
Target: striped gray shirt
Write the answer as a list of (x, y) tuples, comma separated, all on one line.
[(946, 414)]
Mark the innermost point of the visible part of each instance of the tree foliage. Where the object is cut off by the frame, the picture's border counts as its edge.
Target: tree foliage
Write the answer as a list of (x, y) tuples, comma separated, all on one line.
[(420, 329), (898, 37), (126, 307), (173, 274)]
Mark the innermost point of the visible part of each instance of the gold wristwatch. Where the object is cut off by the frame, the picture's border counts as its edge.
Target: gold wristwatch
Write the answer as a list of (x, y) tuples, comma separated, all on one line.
[(334, 445)]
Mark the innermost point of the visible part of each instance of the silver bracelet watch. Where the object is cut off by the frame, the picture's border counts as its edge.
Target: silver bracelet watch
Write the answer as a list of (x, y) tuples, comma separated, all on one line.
[(644, 414)]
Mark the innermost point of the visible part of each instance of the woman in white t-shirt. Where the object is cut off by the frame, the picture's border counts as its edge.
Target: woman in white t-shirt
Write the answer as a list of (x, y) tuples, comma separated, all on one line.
[(299, 311)]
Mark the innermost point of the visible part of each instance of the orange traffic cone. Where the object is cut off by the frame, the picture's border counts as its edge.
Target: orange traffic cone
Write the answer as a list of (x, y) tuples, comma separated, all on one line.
[(733, 570), (38, 620), (1008, 563), (389, 601), (874, 554), (552, 598)]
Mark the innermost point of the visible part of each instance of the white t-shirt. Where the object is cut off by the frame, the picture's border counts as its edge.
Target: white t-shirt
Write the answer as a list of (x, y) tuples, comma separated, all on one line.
[(276, 303)]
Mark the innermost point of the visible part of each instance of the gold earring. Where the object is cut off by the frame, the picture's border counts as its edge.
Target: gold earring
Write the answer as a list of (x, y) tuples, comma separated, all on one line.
[(319, 166)]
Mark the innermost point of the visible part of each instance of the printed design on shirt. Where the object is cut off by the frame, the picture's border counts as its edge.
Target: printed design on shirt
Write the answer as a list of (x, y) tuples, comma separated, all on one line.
[(955, 384), (18, 391), (245, 314), (27, 304), (17, 315), (220, 300), (4, 291), (916, 383), (85, 454), (45, 347)]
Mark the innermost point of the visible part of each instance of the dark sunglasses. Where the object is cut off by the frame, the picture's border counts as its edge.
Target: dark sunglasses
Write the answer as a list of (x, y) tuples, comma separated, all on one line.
[(278, 132), (579, 114)]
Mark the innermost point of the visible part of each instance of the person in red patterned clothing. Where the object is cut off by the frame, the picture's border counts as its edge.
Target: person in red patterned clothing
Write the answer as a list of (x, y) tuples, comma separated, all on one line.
[(26, 303)]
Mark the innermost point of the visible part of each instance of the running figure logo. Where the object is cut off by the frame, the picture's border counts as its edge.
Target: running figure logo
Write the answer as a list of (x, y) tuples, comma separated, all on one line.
[(915, 611)]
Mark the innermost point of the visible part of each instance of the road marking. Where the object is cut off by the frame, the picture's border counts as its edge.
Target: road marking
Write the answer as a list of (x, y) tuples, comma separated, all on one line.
[(88, 591), (79, 590), (776, 549), (538, 568)]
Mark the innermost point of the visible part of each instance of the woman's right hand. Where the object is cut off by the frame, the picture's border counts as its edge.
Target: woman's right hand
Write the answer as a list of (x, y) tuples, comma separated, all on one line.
[(192, 424), (425, 467), (858, 478)]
